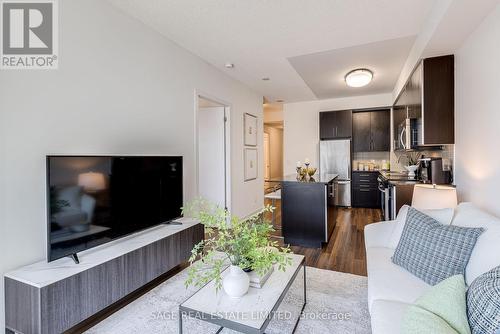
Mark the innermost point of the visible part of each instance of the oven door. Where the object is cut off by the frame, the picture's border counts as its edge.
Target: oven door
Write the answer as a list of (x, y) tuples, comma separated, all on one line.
[(391, 194), (384, 195)]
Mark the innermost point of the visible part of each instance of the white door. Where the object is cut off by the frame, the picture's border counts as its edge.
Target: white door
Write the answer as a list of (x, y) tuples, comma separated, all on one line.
[(267, 157), (211, 155)]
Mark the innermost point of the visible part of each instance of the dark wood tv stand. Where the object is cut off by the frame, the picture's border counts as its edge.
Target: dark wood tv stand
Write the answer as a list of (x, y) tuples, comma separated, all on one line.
[(53, 297)]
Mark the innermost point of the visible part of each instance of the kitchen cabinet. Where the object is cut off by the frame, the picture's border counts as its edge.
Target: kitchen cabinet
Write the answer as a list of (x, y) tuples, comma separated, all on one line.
[(366, 198), (361, 131), (371, 130), (428, 98), (365, 192), (335, 124)]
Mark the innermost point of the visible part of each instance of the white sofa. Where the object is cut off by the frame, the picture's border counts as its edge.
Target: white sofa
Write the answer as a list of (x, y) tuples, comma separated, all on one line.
[(391, 288)]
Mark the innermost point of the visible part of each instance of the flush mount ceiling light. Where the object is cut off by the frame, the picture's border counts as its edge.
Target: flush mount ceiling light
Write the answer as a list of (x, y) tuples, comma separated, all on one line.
[(229, 65), (359, 77)]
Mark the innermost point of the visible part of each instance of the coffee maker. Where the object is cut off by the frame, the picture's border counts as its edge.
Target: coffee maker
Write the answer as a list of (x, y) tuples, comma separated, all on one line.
[(431, 171)]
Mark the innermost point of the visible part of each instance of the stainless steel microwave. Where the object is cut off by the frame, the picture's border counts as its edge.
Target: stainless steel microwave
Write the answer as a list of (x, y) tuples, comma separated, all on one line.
[(409, 134)]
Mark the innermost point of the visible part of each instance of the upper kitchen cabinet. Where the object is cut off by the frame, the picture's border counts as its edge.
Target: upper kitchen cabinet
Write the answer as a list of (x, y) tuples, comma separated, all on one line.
[(362, 132), (335, 124), (424, 110), (381, 130), (371, 130), (439, 100)]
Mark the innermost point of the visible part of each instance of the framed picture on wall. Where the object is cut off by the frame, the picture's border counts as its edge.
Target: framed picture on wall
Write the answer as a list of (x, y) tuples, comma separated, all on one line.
[(251, 166), (250, 126)]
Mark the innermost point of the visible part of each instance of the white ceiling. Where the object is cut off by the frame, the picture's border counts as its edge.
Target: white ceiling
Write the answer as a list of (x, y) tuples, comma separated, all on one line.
[(324, 72), (259, 36)]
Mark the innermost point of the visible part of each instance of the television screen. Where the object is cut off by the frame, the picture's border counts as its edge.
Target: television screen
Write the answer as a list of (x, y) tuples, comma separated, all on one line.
[(95, 199)]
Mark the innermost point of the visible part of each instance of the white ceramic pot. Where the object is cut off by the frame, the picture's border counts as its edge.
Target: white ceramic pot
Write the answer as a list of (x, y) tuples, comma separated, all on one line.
[(236, 283), (411, 171)]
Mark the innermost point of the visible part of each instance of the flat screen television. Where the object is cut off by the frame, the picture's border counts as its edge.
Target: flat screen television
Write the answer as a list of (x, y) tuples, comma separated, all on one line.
[(93, 200)]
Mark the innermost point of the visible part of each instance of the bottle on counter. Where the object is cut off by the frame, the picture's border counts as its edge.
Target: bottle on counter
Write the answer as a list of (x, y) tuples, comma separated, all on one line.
[(386, 165)]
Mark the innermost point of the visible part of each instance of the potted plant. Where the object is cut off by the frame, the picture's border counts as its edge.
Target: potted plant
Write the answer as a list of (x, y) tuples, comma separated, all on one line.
[(240, 243), (412, 161)]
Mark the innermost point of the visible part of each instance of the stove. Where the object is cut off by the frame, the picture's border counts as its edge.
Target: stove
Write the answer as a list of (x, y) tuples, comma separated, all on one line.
[(386, 182), (395, 176)]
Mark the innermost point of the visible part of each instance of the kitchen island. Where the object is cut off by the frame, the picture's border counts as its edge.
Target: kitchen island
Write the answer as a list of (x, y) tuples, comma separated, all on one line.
[(307, 209)]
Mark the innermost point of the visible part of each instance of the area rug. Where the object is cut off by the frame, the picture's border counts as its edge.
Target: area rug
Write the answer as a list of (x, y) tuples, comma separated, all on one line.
[(336, 303)]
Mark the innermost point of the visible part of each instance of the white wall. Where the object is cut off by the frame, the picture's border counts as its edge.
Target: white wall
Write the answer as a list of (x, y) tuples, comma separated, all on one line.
[(273, 112), (477, 121), (301, 125), (121, 88)]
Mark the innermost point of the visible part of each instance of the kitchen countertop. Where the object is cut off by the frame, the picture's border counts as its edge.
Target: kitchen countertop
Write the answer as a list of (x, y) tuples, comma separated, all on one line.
[(394, 178), (316, 178), (398, 178)]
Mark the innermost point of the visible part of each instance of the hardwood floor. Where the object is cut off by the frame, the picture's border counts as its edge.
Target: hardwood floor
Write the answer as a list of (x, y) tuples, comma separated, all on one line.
[(345, 251)]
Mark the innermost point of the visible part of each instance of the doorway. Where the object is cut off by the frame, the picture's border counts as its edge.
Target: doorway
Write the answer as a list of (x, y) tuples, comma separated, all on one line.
[(273, 154), (213, 167), (267, 157)]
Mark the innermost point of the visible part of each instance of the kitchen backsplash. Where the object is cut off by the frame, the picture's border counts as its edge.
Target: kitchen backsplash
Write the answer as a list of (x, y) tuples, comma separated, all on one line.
[(373, 159), (448, 155)]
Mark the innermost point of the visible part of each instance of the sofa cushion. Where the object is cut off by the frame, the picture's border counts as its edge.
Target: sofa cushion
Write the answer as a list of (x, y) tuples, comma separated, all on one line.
[(388, 281), (386, 316), (420, 321), (486, 253), (442, 306), (483, 303), (433, 251), (444, 216), (378, 234)]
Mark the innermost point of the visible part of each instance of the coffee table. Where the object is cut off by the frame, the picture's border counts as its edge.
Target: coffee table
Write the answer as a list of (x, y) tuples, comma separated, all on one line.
[(249, 314)]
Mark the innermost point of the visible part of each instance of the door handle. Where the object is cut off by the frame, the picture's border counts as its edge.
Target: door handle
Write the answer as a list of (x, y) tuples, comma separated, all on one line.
[(401, 138)]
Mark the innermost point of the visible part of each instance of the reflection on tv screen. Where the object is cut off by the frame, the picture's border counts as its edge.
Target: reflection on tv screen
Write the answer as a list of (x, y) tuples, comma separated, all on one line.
[(93, 200)]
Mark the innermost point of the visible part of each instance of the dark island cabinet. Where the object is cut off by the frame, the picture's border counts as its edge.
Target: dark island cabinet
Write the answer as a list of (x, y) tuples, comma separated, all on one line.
[(335, 124), (371, 130)]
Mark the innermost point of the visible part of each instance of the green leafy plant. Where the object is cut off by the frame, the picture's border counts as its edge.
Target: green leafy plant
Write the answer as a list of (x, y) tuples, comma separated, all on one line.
[(241, 242)]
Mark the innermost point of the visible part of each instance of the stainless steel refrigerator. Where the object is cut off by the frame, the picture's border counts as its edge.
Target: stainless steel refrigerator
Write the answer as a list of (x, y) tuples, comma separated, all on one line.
[(335, 158)]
